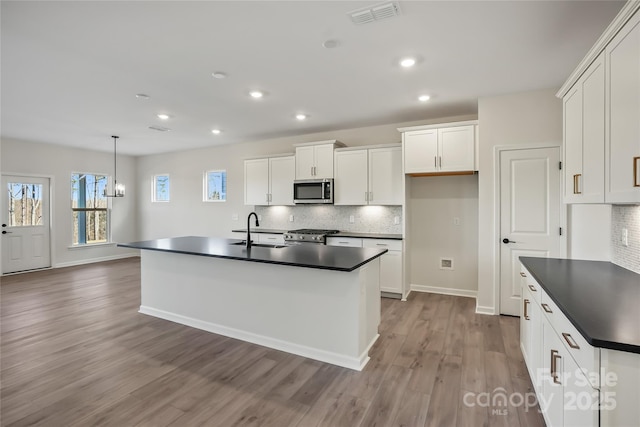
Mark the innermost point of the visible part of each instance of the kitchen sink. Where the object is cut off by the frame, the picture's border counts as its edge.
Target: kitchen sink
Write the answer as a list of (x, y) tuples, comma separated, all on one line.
[(259, 245)]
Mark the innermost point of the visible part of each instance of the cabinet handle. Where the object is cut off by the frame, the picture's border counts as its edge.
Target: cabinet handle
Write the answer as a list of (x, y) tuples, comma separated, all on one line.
[(569, 339), (440, 161), (554, 367), (526, 312), (636, 183), (576, 183), (435, 161), (533, 288), (546, 308), (522, 274), (381, 244), (366, 196), (371, 196)]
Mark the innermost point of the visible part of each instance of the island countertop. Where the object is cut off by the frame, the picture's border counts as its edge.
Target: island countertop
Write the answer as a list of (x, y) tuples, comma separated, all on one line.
[(599, 298), (310, 256)]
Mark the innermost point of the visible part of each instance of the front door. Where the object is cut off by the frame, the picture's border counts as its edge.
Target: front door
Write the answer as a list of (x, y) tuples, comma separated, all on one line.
[(25, 223), (529, 215)]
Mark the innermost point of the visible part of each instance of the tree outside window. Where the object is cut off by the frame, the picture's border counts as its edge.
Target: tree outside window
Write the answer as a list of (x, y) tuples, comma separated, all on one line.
[(215, 186), (160, 191), (89, 207)]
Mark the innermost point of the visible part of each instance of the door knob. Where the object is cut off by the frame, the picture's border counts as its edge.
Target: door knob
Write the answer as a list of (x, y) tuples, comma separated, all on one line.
[(507, 241), (4, 225), (6, 232)]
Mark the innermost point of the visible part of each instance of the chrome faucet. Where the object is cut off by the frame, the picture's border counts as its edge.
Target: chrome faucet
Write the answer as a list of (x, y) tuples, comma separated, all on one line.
[(249, 229)]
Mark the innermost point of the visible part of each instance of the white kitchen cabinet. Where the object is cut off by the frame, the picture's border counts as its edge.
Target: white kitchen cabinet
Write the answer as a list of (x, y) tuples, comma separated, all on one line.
[(270, 238), (390, 264), (269, 181), (315, 160), (622, 154), (351, 242), (370, 176), (531, 332), (584, 137), (431, 150)]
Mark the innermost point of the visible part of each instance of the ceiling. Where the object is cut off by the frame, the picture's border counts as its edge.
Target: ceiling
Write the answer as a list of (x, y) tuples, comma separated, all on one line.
[(71, 70)]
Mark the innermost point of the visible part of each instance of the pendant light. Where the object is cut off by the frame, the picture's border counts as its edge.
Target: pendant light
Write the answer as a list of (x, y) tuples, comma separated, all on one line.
[(118, 189)]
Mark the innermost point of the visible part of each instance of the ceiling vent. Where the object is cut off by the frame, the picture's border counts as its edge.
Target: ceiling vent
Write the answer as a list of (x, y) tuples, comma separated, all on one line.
[(374, 13), (159, 128)]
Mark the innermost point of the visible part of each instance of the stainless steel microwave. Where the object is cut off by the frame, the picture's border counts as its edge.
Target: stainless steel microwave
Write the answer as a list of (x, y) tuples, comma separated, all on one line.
[(313, 191)]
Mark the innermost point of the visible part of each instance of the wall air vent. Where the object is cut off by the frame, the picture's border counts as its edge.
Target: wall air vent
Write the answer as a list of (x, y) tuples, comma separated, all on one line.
[(159, 128), (374, 13)]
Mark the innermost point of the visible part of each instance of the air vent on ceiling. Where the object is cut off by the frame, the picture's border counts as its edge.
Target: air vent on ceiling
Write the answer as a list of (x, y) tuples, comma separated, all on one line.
[(374, 13), (159, 128)]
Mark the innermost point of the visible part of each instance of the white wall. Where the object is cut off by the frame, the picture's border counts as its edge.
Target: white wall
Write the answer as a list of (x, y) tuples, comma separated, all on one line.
[(434, 203), (187, 214), (58, 162), (515, 119)]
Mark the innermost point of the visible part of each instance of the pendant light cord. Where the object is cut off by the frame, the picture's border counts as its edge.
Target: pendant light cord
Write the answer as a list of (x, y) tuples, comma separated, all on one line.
[(115, 162)]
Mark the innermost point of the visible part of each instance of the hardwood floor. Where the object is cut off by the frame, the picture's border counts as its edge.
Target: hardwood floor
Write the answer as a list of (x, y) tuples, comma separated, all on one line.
[(75, 352)]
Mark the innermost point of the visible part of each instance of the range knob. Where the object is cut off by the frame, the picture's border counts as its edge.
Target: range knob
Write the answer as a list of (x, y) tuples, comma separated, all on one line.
[(301, 237)]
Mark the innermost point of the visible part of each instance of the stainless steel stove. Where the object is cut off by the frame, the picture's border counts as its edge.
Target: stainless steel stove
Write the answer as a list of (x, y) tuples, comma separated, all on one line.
[(308, 235)]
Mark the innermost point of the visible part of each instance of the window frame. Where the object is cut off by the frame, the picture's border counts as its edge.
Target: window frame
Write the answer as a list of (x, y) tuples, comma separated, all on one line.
[(205, 186), (154, 187), (107, 210)]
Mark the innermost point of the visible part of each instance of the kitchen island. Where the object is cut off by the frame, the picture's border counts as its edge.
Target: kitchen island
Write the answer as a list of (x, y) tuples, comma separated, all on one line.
[(316, 301)]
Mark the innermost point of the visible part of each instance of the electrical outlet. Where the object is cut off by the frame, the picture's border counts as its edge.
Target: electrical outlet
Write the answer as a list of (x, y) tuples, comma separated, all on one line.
[(625, 237), (456, 221), (290, 218), (352, 219), (396, 220), (234, 217)]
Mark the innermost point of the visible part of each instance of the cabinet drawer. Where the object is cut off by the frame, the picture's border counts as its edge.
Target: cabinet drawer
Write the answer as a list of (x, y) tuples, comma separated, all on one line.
[(275, 239), (530, 283), (587, 357), (392, 245), (344, 241)]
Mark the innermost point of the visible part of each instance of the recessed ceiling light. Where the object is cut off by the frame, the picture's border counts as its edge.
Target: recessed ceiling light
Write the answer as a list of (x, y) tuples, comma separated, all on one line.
[(301, 116), (163, 116), (408, 62), (330, 44), (256, 94), (216, 131), (142, 96), (219, 75), (424, 98)]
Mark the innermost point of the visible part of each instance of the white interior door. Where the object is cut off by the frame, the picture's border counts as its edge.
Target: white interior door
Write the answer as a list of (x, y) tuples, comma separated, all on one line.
[(25, 223), (529, 215)]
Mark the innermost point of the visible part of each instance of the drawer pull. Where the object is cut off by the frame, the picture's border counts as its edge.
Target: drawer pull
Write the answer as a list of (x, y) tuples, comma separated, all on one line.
[(522, 274), (546, 308), (381, 244), (526, 312), (554, 366), (533, 288), (569, 339), (635, 172)]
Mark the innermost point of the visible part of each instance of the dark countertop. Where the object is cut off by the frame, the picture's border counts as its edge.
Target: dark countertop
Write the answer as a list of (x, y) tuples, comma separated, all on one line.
[(340, 234), (311, 256), (601, 299)]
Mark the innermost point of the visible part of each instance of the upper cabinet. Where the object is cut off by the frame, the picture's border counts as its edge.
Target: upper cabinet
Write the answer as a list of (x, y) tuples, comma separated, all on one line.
[(369, 176), (269, 181), (315, 160), (584, 137), (602, 117), (622, 154), (447, 149)]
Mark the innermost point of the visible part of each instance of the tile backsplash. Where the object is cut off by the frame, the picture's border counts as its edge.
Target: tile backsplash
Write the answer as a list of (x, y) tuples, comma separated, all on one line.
[(367, 219), (625, 217)]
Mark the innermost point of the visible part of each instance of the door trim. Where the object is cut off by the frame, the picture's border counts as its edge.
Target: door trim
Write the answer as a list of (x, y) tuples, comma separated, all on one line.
[(52, 256), (495, 248)]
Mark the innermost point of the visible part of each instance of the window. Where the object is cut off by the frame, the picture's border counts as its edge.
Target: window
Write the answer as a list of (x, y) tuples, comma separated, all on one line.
[(25, 204), (215, 186), (90, 209), (160, 191)]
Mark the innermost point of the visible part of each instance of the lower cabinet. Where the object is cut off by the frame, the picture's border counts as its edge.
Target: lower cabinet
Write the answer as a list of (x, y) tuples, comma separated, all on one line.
[(567, 391), (391, 263)]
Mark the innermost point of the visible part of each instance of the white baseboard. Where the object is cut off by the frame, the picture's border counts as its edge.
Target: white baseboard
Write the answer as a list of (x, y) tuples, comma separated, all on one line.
[(93, 260), (485, 310), (444, 291), (356, 363)]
